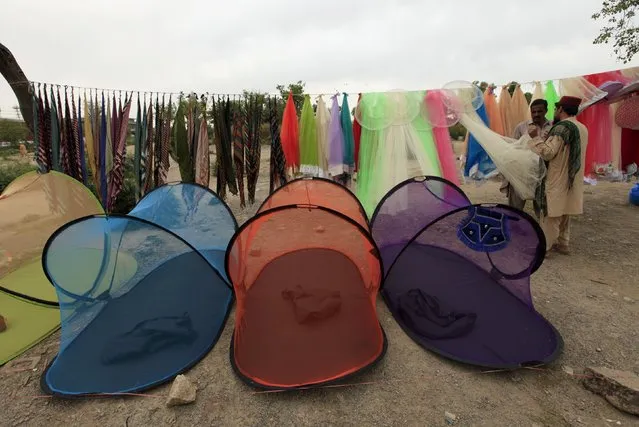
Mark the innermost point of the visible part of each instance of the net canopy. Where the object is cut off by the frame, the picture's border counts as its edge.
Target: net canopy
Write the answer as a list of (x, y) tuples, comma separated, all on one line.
[(193, 212), (410, 206), (461, 288), (131, 317), (31, 208), (306, 279), (317, 192)]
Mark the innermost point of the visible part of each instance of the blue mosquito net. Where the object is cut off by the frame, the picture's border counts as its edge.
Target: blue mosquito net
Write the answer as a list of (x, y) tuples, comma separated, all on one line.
[(138, 305), (194, 213)]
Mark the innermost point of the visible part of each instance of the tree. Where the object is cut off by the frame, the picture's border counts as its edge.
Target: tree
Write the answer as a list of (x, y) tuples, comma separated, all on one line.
[(297, 89), (622, 27), (13, 131), (11, 71)]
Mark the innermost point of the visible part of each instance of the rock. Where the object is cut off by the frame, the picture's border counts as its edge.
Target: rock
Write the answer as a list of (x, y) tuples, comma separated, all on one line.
[(182, 392), (569, 370), (450, 418), (626, 299), (619, 388), (598, 350)]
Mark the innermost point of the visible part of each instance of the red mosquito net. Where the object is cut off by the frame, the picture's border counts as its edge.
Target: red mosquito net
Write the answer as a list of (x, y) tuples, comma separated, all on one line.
[(306, 279), (318, 192)]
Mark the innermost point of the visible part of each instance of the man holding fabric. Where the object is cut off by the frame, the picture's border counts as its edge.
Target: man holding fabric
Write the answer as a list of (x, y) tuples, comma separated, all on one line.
[(538, 110), (560, 195)]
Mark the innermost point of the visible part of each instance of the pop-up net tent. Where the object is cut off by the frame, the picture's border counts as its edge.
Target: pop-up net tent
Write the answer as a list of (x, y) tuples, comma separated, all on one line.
[(306, 277), (458, 281), (193, 212), (149, 304), (31, 208)]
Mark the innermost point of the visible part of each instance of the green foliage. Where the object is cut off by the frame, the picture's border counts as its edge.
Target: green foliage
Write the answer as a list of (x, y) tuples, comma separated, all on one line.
[(13, 131), (297, 89), (457, 131), (12, 170), (622, 28)]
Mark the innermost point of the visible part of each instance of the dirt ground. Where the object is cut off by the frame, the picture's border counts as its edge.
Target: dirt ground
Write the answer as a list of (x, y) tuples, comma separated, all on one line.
[(591, 296)]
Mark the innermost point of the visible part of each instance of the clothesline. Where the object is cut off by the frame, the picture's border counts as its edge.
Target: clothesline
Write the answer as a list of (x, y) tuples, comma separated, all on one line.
[(169, 93)]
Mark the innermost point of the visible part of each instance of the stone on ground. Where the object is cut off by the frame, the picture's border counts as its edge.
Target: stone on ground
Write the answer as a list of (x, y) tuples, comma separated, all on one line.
[(619, 388), (182, 392)]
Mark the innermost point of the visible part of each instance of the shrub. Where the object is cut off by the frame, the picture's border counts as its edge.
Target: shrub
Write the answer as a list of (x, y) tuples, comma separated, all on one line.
[(10, 171)]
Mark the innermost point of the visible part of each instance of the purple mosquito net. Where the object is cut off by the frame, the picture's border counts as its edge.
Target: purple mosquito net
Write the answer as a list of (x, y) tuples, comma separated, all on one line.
[(457, 279), (410, 206)]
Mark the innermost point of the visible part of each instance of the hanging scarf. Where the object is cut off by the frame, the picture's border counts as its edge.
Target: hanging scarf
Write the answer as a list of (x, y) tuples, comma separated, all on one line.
[(308, 140), (137, 145), (335, 141), (157, 143), (55, 133), (278, 161), (254, 110), (289, 135), (223, 145), (149, 155), (357, 136), (80, 147), (44, 149), (238, 148), (551, 98), (492, 111), (323, 121), (202, 159), (165, 145), (505, 100), (347, 131), (569, 133), (117, 173), (103, 151)]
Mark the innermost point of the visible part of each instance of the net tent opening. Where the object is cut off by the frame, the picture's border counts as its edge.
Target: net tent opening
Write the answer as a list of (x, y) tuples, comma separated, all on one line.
[(460, 287), (407, 208), (145, 306), (317, 192), (306, 280), (193, 212), (32, 207)]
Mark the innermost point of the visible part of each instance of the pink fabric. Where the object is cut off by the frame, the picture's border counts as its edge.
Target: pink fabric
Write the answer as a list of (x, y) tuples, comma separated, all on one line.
[(435, 108), (598, 120)]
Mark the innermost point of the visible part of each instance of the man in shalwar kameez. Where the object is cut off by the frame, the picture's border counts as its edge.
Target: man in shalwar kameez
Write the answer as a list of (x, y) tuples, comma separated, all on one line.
[(560, 194)]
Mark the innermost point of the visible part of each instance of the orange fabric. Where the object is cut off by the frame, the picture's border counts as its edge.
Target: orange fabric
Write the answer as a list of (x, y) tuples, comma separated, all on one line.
[(507, 120), (318, 192), (306, 282), (492, 110)]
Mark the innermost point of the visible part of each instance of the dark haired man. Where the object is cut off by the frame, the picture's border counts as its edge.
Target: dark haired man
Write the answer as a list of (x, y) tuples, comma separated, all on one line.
[(560, 194), (538, 111)]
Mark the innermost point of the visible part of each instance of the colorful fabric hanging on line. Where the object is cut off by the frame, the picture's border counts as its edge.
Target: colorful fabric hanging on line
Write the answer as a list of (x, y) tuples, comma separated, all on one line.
[(254, 114), (441, 134), (278, 160), (335, 141), (357, 135), (347, 130), (309, 163), (519, 107), (478, 164), (493, 112), (239, 147), (505, 101), (552, 98), (322, 122), (538, 92), (289, 135)]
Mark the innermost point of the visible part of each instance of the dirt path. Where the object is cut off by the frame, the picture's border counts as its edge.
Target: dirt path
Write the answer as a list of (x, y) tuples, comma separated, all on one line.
[(592, 297)]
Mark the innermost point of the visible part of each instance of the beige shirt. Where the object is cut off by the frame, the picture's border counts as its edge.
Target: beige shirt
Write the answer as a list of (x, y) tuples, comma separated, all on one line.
[(562, 200)]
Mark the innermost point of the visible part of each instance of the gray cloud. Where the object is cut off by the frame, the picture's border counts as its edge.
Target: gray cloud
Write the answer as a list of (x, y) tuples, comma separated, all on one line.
[(353, 45)]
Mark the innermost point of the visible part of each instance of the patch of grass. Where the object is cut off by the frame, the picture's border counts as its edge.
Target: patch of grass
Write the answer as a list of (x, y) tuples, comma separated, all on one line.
[(11, 170)]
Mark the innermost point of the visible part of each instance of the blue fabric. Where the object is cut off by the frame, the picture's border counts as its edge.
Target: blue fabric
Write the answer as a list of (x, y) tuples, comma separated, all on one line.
[(484, 230), (138, 306), (347, 131), (195, 214), (475, 154)]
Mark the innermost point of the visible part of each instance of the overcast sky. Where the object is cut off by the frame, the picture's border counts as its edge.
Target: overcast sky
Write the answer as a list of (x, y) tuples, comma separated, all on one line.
[(348, 45)]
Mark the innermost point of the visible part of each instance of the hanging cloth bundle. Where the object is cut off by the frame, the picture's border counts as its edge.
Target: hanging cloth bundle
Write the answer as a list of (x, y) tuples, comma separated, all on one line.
[(519, 107), (322, 123), (289, 135), (116, 175), (335, 141), (357, 135), (254, 109), (278, 161), (223, 146), (202, 158), (551, 98), (349, 142), (505, 101), (238, 147), (538, 92), (492, 110), (309, 164)]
